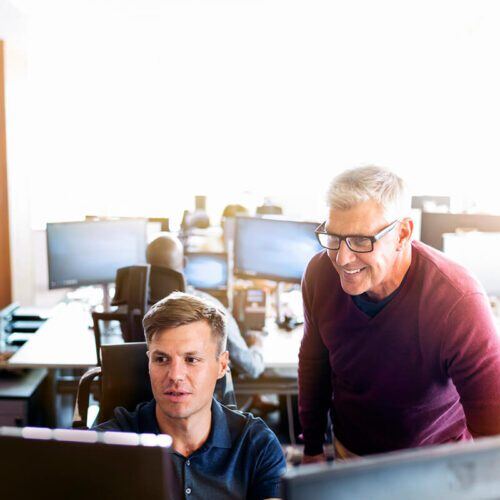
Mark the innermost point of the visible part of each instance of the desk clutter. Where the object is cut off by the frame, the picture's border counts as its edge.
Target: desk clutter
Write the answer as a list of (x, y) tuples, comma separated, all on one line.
[(17, 323)]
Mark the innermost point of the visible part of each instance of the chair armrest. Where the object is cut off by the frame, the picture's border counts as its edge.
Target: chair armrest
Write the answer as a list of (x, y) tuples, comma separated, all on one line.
[(82, 398)]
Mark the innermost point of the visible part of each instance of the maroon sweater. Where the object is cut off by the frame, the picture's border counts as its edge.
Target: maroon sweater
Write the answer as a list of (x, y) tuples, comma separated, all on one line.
[(424, 370)]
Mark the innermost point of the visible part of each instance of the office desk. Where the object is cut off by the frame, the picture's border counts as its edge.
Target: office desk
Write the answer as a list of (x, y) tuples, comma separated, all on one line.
[(281, 348), (63, 341), (20, 395), (66, 341), (281, 358)]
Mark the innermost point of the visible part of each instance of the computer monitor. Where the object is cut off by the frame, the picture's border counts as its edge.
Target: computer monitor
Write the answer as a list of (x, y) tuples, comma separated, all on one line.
[(155, 224), (465, 471), (206, 270), (64, 464), (478, 252), (90, 252), (434, 225), (275, 249)]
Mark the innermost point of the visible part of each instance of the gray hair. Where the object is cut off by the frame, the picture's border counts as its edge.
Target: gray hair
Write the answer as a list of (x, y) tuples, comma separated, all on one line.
[(179, 309), (357, 185)]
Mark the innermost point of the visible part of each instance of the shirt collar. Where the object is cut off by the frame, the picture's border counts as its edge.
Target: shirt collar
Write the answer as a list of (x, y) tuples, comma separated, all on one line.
[(219, 436)]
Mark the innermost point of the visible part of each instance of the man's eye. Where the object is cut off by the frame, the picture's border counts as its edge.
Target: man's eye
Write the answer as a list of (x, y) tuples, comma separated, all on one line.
[(160, 359), (191, 360), (360, 241)]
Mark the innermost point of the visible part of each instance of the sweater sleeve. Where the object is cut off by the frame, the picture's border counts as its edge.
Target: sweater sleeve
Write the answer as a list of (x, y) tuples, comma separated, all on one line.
[(471, 356), (315, 391)]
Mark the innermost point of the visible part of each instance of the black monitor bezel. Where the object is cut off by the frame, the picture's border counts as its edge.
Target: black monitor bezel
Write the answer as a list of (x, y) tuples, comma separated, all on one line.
[(86, 222)]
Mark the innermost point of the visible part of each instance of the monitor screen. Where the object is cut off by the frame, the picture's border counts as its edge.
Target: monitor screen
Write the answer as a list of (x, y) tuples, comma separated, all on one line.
[(90, 252), (206, 270), (457, 471), (275, 249), (64, 464), (434, 225)]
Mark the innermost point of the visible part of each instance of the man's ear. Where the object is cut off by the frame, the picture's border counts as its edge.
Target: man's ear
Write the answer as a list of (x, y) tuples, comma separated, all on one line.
[(405, 231), (223, 364)]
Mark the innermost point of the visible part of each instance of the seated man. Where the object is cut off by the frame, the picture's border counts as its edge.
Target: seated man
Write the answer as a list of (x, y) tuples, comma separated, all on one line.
[(167, 251), (216, 452)]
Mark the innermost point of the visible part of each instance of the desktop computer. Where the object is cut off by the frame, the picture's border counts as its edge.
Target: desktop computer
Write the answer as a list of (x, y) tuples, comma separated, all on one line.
[(434, 225), (458, 471), (273, 248), (90, 252), (206, 270), (64, 464)]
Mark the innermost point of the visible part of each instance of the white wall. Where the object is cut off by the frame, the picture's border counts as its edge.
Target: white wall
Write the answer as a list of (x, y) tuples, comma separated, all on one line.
[(135, 106), (13, 25)]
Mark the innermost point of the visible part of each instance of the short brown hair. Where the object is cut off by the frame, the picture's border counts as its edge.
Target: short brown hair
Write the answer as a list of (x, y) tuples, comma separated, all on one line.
[(179, 309)]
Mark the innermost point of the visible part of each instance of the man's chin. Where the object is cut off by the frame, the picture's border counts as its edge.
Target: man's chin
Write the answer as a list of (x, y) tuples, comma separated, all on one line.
[(351, 289), (175, 412)]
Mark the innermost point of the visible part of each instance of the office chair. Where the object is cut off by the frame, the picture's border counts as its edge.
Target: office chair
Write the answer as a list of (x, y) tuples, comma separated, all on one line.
[(163, 281), (285, 387), (124, 381), (131, 297)]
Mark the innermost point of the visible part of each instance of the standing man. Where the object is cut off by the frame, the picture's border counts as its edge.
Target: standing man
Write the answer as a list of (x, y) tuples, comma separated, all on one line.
[(399, 342)]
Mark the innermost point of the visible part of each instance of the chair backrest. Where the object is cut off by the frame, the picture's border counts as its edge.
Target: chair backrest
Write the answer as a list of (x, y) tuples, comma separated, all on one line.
[(125, 379), (131, 293), (131, 289), (163, 281)]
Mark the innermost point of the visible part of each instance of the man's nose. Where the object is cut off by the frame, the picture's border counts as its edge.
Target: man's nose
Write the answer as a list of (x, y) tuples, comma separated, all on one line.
[(177, 370), (344, 255)]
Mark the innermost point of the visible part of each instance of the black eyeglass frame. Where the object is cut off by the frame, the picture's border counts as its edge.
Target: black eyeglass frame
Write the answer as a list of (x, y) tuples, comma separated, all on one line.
[(373, 239)]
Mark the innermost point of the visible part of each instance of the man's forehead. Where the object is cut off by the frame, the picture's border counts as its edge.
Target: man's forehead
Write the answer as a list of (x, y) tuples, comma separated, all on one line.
[(193, 336), (181, 348), (363, 218), (167, 350)]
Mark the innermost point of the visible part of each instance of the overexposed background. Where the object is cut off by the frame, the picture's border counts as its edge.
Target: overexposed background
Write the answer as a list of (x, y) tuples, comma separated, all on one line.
[(133, 107)]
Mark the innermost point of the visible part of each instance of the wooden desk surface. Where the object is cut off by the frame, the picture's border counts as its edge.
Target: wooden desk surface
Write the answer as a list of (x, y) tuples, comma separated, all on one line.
[(64, 341)]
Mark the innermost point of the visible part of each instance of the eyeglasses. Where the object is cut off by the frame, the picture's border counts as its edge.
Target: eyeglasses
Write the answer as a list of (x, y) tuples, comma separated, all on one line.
[(355, 242)]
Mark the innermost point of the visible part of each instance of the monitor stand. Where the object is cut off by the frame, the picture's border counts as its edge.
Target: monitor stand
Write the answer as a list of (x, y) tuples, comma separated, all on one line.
[(279, 305), (106, 301), (104, 306)]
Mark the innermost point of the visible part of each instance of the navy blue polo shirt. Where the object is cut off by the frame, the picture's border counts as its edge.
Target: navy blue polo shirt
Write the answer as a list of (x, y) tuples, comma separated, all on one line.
[(241, 458)]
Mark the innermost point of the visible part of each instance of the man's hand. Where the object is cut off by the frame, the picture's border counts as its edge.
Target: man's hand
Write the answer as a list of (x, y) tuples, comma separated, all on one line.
[(313, 459)]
